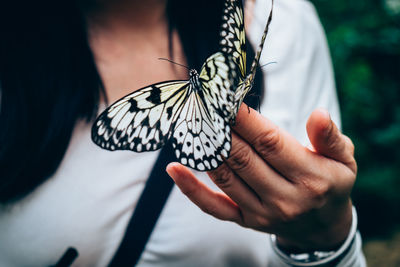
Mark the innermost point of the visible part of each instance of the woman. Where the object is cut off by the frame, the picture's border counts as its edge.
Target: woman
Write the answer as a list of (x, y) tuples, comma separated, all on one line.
[(60, 190)]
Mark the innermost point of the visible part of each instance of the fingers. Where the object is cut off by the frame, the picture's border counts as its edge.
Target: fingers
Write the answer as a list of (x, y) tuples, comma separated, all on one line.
[(276, 147), (319, 171), (327, 140), (236, 188), (244, 163), (214, 203)]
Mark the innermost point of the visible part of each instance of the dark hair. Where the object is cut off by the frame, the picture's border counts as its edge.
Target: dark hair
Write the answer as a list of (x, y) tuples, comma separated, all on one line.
[(49, 80)]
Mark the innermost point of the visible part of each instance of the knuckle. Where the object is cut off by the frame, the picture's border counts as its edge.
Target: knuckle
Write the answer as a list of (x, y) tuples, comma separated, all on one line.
[(318, 190), (189, 190), (261, 221), (332, 142), (350, 144), (347, 177), (321, 192), (240, 157), (354, 168), (350, 149), (336, 141), (223, 177), (212, 210), (287, 212), (268, 142)]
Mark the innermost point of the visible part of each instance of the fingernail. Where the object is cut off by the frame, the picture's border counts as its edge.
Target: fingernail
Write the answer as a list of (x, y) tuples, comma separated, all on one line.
[(171, 170), (326, 113)]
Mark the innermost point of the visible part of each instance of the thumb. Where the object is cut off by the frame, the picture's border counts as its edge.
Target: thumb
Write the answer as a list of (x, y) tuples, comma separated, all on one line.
[(326, 138)]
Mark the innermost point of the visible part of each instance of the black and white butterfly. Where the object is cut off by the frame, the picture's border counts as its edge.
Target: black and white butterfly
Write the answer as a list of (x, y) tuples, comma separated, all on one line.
[(191, 113), (233, 42)]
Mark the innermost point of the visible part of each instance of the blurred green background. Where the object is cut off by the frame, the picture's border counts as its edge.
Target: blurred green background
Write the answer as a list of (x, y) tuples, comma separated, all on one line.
[(364, 39)]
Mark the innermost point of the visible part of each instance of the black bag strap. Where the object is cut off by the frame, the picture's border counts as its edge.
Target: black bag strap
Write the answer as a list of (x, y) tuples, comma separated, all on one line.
[(68, 258), (150, 204)]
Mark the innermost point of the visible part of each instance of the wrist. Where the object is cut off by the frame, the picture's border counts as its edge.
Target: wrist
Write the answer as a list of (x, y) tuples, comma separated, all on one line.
[(319, 257), (327, 234)]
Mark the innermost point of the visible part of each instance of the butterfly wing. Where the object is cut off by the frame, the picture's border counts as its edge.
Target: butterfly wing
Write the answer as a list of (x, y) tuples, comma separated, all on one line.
[(219, 77), (246, 85), (233, 38), (201, 136), (141, 121)]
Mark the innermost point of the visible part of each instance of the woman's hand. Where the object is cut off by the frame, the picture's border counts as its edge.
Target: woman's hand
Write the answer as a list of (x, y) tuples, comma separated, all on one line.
[(274, 184)]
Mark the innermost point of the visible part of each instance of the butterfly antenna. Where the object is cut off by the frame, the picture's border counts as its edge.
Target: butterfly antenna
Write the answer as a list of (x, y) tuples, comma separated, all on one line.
[(166, 59), (273, 62), (264, 36)]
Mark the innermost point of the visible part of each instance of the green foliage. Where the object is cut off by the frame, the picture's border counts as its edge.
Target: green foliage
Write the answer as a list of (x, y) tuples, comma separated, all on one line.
[(364, 38)]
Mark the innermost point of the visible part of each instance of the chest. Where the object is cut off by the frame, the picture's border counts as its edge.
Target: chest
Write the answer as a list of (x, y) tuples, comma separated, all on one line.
[(132, 63)]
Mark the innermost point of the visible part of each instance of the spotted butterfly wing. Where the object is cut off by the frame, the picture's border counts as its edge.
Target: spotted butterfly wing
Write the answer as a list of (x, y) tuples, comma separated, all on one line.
[(187, 112), (202, 135), (246, 85), (141, 121), (233, 38), (233, 41)]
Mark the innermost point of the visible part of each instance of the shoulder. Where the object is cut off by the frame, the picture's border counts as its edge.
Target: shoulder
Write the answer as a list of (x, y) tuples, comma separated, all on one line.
[(295, 27), (295, 10)]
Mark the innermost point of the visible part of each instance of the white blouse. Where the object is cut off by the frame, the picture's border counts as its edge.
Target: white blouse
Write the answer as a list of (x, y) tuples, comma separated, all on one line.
[(89, 200)]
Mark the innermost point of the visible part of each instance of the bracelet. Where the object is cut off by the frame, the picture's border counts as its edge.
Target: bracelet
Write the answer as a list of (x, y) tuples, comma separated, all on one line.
[(316, 258)]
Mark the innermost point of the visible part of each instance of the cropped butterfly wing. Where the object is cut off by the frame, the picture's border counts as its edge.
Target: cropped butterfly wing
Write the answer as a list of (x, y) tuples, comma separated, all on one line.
[(219, 78), (246, 85), (202, 135), (142, 120), (233, 39)]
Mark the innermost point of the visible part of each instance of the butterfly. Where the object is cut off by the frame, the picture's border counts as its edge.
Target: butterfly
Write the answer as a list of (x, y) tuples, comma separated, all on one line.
[(233, 41), (191, 113), (194, 114)]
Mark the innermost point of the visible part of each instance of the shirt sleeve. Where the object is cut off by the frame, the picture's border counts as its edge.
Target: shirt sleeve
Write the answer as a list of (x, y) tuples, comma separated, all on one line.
[(353, 258), (300, 81)]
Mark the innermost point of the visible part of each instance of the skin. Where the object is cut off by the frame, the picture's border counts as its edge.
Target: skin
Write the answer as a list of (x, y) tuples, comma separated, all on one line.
[(125, 34), (270, 182)]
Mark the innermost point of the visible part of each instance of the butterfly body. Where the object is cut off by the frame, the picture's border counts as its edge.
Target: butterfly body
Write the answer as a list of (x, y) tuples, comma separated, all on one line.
[(194, 80)]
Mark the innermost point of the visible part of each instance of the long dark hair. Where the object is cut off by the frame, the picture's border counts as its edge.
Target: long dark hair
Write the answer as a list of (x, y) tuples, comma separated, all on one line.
[(49, 80)]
